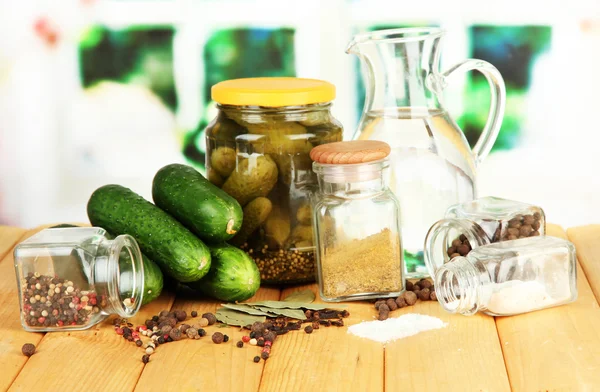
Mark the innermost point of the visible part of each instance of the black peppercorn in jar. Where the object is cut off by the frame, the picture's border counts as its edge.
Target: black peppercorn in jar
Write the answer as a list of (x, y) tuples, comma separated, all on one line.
[(480, 222), (258, 151), (73, 278)]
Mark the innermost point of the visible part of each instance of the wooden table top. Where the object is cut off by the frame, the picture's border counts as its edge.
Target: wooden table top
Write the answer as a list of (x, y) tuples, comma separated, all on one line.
[(549, 350)]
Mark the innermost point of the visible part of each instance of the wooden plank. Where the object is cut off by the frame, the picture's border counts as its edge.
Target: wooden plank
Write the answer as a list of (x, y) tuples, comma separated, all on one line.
[(95, 359), (464, 356), (190, 365), (328, 359), (13, 335), (9, 236), (587, 242), (554, 349)]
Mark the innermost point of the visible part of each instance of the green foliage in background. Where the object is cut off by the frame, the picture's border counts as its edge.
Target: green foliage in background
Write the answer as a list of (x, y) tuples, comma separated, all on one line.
[(513, 50), (140, 55)]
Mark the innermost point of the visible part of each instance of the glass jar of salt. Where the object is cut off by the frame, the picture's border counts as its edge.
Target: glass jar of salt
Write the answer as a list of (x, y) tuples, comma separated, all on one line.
[(480, 222), (509, 278), (73, 278), (356, 221)]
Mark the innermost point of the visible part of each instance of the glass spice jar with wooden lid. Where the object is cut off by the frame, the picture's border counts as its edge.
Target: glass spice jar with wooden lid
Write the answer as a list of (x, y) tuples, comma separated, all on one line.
[(356, 220), (258, 152)]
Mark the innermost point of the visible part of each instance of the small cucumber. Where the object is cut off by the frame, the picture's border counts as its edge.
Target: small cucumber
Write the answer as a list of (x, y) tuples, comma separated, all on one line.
[(203, 208), (174, 248), (233, 275)]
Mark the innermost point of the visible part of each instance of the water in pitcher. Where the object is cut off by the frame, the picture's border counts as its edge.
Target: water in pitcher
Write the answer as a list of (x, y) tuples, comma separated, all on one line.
[(432, 168)]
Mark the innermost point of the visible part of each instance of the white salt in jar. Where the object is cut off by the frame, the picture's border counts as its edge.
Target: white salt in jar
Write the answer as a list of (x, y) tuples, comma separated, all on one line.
[(508, 278)]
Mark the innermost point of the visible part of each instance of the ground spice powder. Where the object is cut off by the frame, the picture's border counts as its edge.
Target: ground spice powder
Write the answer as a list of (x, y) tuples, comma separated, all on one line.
[(368, 265)]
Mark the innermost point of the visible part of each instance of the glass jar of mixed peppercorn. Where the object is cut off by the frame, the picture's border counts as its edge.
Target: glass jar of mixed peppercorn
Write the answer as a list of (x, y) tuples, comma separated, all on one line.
[(480, 222), (73, 278), (258, 152)]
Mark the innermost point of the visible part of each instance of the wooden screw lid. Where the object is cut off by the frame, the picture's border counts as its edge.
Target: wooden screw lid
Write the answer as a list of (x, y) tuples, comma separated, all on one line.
[(356, 151)]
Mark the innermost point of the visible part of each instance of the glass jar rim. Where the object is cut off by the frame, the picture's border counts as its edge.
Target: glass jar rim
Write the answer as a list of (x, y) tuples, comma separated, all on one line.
[(435, 248), (353, 172), (126, 306), (252, 109)]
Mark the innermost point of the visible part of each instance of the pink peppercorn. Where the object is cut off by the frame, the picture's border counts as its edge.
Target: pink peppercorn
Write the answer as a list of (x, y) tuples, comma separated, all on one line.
[(41, 320), (268, 343), (75, 300), (119, 331), (60, 323), (79, 307), (245, 339), (73, 323), (135, 334), (93, 301)]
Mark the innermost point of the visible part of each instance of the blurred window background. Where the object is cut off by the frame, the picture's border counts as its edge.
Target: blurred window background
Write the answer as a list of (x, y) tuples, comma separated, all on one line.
[(98, 91)]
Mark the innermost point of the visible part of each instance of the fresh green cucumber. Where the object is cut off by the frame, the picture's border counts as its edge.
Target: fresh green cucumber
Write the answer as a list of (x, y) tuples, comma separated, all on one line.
[(177, 251), (206, 210), (233, 275)]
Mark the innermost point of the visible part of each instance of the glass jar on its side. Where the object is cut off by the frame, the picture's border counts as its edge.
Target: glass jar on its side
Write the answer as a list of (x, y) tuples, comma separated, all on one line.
[(258, 152), (480, 222), (357, 225), (509, 278), (73, 278)]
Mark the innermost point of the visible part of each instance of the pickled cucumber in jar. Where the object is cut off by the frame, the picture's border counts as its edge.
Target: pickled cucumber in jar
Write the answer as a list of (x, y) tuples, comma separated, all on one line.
[(258, 151)]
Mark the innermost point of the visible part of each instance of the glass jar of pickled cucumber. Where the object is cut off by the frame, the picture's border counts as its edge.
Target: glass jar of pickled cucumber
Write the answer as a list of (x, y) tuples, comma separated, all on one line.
[(258, 152)]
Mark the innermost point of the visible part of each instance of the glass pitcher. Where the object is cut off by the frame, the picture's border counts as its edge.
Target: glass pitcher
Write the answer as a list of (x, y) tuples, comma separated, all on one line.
[(432, 165)]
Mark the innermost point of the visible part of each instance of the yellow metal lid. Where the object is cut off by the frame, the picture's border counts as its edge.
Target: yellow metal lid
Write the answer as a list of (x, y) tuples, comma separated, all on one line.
[(272, 92)]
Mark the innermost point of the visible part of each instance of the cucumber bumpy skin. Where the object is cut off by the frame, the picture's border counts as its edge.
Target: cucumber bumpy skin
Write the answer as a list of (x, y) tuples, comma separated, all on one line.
[(177, 251), (203, 208), (233, 275)]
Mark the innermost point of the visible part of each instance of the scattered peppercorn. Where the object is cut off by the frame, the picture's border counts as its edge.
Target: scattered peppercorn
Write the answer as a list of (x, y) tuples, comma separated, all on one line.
[(408, 285), (184, 327), (338, 323), (426, 284), (145, 358), (191, 332), (401, 302), (410, 297), (240, 344), (163, 313), (225, 338), (433, 296), (245, 338), (258, 328), (201, 332), (424, 295), (194, 313), (391, 303), (252, 335), (253, 342), (384, 308), (345, 313), (28, 349), (383, 315), (257, 359), (210, 317), (264, 355), (416, 287), (218, 338), (138, 343), (315, 325), (260, 342), (175, 334), (308, 329), (180, 315)]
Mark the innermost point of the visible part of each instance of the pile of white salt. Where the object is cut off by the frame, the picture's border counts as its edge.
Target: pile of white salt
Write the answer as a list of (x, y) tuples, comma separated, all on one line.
[(396, 328)]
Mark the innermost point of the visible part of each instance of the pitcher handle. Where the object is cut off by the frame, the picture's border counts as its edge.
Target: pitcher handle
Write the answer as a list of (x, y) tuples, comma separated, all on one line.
[(497, 103)]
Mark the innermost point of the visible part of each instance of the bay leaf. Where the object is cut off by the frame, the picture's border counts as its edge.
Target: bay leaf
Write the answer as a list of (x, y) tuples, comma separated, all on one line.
[(306, 296), (291, 313), (292, 305), (233, 317), (248, 309)]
